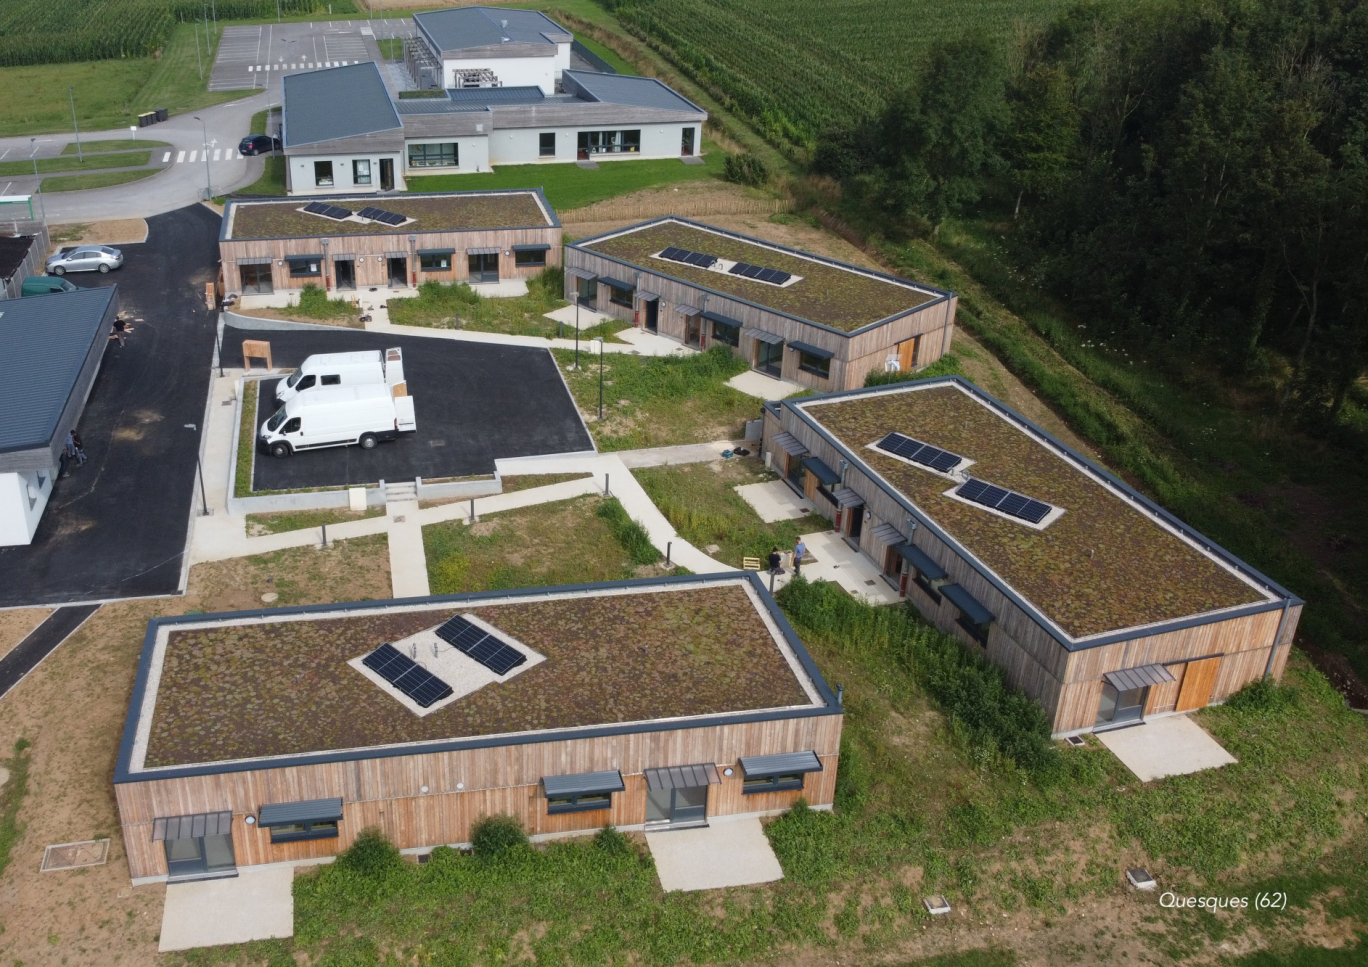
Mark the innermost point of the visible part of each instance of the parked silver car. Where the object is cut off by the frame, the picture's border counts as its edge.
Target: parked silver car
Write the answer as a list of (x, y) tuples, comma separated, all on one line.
[(84, 258)]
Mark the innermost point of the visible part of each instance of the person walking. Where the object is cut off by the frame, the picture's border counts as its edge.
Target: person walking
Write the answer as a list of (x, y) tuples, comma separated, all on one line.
[(799, 552), (77, 447), (120, 330)]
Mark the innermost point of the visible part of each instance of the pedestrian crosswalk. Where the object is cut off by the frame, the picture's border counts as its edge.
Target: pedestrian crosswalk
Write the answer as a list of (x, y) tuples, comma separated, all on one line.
[(218, 154), (300, 66)]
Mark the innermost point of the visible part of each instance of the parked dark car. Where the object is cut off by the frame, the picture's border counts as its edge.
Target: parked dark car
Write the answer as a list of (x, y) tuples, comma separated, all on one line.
[(258, 144)]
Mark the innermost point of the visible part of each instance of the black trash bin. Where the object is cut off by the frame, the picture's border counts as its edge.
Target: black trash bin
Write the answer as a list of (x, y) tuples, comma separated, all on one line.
[(163, 113), (149, 118)]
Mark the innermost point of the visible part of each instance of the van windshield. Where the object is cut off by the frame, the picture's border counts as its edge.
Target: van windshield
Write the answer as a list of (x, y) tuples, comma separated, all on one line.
[(277, 418), (294, 378)]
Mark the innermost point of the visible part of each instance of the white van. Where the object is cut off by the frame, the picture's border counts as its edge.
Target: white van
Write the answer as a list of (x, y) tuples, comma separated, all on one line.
[(343, 369), (337, 416)]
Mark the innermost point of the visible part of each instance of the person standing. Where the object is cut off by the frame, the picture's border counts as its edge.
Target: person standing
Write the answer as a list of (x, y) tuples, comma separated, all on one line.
[(77, 447), (799, 552)]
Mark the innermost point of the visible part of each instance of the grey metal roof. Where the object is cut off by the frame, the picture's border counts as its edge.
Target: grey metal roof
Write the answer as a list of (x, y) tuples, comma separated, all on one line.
[(811, 350), (627, 89), (922, 561), (616, 283), (725, 320), (845, 497), (967, 604), (683, 777), (47, 339), (774, 339), (791, 445), (821, 471), (557, 786), (783, 764), (409, 106), (1138, 677), (304, 811), (340, 102), (887, 535), (192, 827), (464, 28), (496, 95)]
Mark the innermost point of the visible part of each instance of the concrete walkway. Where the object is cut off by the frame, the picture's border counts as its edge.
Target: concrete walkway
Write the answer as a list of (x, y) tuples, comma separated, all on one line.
[(408, 560), (1170, 746), (257, 904), (729, 852), (832, 559), (762, 387), (775, 500)]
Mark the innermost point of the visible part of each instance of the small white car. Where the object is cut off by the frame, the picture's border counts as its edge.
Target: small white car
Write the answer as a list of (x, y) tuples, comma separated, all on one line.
[(84, 258)]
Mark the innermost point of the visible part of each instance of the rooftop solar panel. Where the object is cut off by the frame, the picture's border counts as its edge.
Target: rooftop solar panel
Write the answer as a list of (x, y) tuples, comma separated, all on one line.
[(480, 645), (368, 212), (315, 208), (923, 453), (739, 268), (1004, 501), (674, 254), (407, 675)]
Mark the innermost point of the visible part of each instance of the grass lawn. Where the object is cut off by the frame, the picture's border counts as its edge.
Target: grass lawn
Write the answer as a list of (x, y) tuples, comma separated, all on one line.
[(391, 48), (279, 522), (657, 401), (568, 186), (47, 166), (443, 306), (103, 179), (699, 499), (531, 481), (611, 56), (565, 542), (350, 570), (242, 479), (272, 180), (109, 93), (113, 144)]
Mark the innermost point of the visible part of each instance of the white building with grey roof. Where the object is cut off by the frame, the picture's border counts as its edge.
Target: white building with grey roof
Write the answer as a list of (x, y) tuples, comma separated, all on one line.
[(468, 47), (342, 132)]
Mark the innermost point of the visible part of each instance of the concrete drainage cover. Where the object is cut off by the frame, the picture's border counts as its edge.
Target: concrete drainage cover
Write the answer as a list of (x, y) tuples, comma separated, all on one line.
[(71, 856)]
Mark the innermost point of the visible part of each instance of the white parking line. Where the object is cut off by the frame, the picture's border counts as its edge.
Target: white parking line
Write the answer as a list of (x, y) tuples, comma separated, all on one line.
[(216, 153), (180, 157), (166, 157)]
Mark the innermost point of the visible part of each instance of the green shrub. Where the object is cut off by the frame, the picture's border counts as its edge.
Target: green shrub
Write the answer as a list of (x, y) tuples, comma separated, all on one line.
[(614, 842), (371, 857), (1262, 696), (496, 836), (629, 533), (947, 365), (981, 707), (314, 302), (745, 169)]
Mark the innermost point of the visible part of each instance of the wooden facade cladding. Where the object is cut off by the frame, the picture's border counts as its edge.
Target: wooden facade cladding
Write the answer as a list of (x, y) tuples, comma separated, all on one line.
[(1065, 676), (387, 792), (854, 354), (371, 250)]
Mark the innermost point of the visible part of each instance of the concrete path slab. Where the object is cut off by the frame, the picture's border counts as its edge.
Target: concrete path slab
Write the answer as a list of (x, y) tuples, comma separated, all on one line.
[(775, 500), (503, 289), (255, 905), (727, 853), (408, 560), (1170, 746), (836, 561), (763, 387)]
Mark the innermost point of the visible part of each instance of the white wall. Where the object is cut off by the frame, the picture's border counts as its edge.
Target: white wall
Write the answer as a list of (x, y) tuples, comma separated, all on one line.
[(302, 174), (512, 71), (472, 153), (23, 497), (522, 145), (562, 58)]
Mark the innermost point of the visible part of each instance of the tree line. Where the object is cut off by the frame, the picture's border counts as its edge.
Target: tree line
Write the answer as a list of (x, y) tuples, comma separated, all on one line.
[(1193, 172)]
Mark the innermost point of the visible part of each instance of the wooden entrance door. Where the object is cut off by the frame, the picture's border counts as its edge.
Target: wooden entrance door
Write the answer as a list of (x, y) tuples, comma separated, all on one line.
[(810, 485), (908, 351), (1198, 679)]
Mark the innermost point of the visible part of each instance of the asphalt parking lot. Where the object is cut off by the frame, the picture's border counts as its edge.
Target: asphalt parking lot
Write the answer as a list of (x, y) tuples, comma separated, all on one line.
[(474, 402), (255, 57), (117, 526)]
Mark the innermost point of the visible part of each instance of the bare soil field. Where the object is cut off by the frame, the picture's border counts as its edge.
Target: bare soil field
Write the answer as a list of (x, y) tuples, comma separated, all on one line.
[(17, 623)]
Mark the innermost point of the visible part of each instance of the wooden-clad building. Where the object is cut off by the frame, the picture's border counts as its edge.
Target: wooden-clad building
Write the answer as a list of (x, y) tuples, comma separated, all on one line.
[(278, 735), (1097, 602), (809, 319), (343, 243)]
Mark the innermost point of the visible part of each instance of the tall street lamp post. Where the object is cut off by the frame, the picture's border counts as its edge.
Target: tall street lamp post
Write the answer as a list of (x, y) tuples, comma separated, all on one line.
[(79, 155)]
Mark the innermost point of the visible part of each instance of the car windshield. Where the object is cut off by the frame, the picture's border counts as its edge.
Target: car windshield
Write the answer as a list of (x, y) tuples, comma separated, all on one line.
[(294, 378), (277, 418)]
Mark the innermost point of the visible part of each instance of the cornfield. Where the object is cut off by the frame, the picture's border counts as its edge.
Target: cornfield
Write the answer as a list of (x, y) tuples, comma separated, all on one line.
[(61, 31), (792, 66)]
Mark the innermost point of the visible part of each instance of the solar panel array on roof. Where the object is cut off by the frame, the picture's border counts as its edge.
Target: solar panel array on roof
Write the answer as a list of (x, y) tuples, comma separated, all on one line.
[(918, 452), (689, 258), (479, 644), (327, 211), (760, 274), (380, 215), (408, 676), (1005, 501)]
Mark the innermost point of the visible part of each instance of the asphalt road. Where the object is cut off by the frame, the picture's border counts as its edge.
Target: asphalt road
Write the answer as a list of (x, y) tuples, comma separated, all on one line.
[(117, 526), (474, 402)]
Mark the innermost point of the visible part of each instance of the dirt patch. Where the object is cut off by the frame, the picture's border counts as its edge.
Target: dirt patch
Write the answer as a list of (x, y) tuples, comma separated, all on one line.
[(350, 570), (16, 624), (117, 231), (1336, 667), (285, 315)]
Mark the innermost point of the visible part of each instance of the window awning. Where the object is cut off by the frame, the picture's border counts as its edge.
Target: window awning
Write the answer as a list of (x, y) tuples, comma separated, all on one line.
[(342, 256), (784, 764), (304, 811), (967, 604), (919, 559), (1138, 677), (725, 320), (487, 250), (687, 310), (683, 777), (811, 350), (580, 274), (763, 336), (530, 248), (645, 296), (303, 258), (845, 497), (192, 827), (616, 283), (583, 782), (436, 251), (887, 535), (256, 260), (396, 255), (789, 444), (821, 471)]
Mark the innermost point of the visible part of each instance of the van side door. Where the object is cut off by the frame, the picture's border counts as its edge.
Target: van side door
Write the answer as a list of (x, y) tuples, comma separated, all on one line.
[(293, 431)]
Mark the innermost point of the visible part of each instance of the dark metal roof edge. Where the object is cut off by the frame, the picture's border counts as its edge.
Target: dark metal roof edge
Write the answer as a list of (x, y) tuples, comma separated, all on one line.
[(1070, 644), (658, 82), (942, 295), (122, 773)]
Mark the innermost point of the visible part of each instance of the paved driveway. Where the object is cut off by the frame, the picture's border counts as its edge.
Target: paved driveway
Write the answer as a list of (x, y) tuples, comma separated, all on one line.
[(117, 526), (257, 56), (475, 403)]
